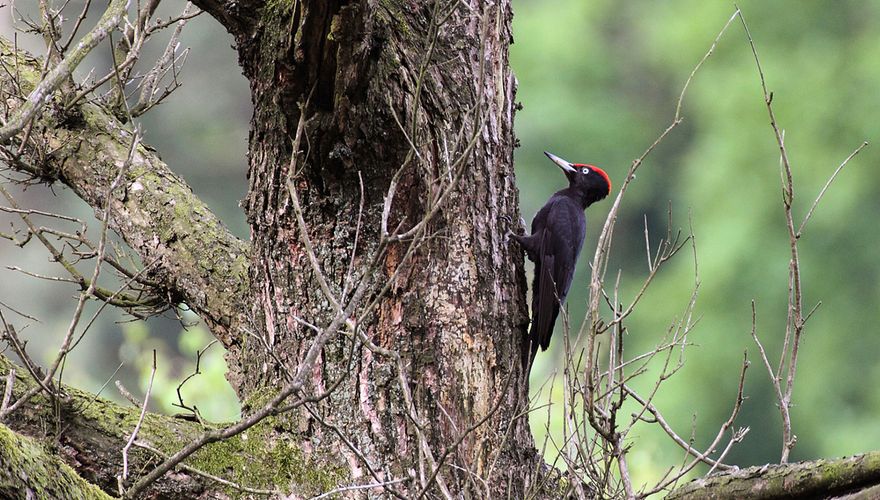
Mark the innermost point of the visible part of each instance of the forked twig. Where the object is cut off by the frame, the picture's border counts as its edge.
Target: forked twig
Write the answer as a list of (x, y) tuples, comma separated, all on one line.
[(796, 320), (825, 187)]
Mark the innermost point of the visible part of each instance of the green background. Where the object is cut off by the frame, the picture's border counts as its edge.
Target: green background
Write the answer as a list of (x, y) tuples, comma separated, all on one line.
[(599, 82)]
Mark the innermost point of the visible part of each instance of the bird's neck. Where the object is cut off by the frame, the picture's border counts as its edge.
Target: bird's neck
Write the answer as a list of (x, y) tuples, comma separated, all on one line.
[(580, 196)]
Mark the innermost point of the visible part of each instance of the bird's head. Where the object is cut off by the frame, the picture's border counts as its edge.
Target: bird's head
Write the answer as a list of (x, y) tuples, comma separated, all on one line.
[(592, 181)]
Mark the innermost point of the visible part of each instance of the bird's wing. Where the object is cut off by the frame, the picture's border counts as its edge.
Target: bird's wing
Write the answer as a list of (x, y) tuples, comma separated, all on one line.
[(545, 306), (554, 270), (532, 243), (553, 275), (566, 252)]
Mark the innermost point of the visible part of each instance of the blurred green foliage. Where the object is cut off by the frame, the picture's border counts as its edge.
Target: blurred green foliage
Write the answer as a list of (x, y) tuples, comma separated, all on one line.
[(200, 386), (599, 81)]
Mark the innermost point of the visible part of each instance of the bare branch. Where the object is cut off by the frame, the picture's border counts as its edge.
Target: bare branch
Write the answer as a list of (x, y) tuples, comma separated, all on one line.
[(122, 477), (603, 245), (196, 371), (7, 391), (151, 94), (127, 395), (658, 417), (736, 437), (825, 187), (50, 83), (700, 64), (795, 319), (198, 261)]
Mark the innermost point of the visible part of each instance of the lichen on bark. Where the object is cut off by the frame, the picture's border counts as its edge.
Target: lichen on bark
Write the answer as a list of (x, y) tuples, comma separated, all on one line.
[(31, 471)]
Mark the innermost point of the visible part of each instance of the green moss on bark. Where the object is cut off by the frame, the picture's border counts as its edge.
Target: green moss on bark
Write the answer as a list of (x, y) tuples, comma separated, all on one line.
[(816, 478), (266, 456), (244, 458), (29, 471)]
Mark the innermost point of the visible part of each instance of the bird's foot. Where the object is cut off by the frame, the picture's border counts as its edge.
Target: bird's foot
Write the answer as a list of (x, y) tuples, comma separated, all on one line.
[(507, 221), (511, 234), (508, 236)]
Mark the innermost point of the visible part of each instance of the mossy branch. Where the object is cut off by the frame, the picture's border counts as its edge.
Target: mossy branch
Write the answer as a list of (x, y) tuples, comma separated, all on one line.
[(29, 471), (813, 479), (197, 260), (96, 429), (57, 75)]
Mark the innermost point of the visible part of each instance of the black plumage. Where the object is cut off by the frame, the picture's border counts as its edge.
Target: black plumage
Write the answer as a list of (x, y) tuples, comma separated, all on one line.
[(557, 236)]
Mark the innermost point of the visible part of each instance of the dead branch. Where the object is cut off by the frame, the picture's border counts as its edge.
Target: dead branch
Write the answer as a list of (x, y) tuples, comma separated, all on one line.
[(795, 320)]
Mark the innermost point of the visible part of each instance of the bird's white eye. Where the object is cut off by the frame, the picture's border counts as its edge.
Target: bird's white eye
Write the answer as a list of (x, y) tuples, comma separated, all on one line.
[(585, 170)]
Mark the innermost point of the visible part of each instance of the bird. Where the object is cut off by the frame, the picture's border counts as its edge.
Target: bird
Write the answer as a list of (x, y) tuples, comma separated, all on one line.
[(558, 232)]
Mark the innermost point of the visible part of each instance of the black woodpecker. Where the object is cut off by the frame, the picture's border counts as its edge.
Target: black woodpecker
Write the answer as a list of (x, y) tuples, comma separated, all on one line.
[(557, 237)]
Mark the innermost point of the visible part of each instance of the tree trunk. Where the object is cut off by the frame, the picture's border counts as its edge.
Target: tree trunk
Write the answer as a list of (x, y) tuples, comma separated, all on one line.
[(422, 96)]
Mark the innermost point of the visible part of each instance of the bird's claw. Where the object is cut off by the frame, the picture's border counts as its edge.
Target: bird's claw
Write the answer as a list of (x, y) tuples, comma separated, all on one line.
[(509, 221)]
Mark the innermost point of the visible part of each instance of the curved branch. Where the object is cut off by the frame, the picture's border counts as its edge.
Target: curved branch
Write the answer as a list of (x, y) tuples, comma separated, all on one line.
[(197, 260)]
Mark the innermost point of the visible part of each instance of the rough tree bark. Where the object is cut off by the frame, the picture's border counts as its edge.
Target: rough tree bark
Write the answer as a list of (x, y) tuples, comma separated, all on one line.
[(401, 114), (374, 81)]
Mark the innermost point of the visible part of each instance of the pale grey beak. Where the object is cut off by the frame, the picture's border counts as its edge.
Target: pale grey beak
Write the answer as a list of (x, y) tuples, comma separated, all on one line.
[(564, 165)]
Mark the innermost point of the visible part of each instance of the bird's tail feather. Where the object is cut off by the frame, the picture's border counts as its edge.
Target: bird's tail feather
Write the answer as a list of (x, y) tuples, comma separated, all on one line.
[(545, 305)]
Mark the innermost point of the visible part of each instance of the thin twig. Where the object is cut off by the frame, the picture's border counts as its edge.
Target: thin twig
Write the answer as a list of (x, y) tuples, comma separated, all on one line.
[(300, 220), (357, 487), (128, 395), (690, 450), (122, 478), (603, 246), (825, 187), (795, 320), (738, 436), (7, 391), (196, 371)]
